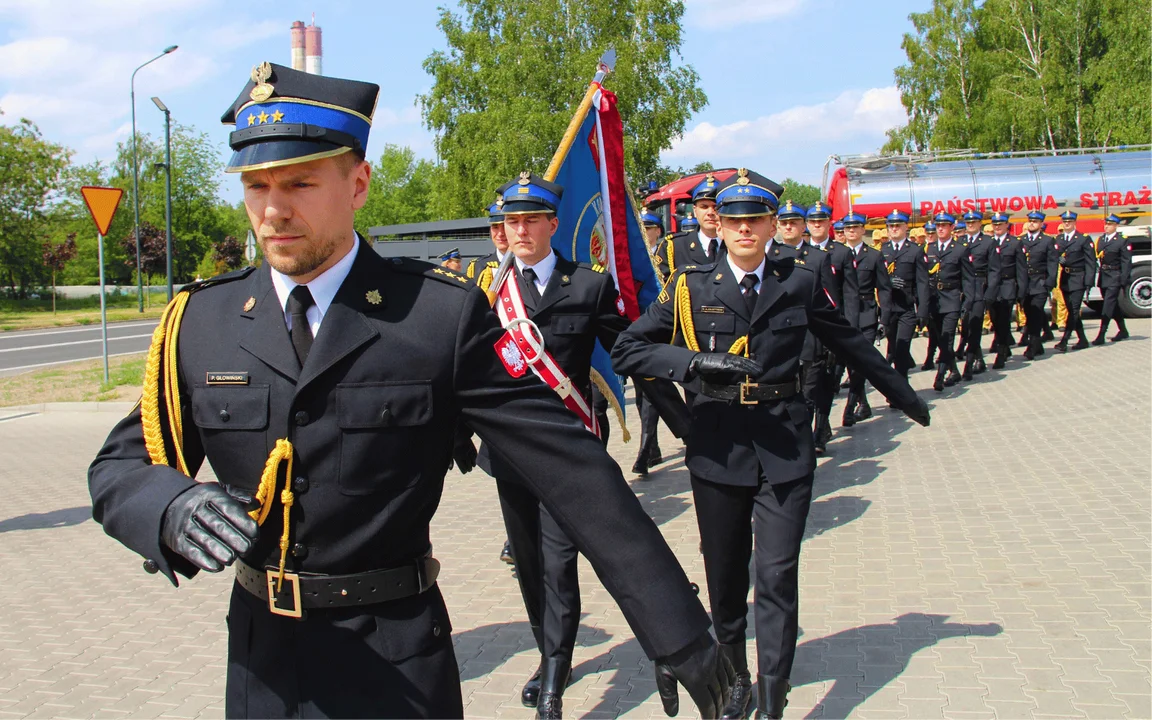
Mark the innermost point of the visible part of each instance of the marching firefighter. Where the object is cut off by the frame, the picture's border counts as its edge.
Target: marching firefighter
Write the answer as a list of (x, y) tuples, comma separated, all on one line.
[(1076, 257), (871, 282), (906, 302), (698, 246), (1041, 262), (1006, 286), (944, 258), (1115, 256), (978, 264)]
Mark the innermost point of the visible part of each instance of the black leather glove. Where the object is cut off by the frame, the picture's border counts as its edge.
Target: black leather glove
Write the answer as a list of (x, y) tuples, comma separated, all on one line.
[(1063, 260), (464, 453), (881, 329), (919, 412), (703, 671), (724, 367), (208, 526), (898, 282)]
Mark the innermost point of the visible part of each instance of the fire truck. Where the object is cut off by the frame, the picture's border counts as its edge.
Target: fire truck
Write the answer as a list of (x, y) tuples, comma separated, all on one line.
[(1091, 184)]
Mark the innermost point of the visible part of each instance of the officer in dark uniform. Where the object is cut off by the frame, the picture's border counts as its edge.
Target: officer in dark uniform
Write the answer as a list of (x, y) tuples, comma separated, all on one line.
[(1041, 262), (500, 246), (978, 264), (906, 303), (1076, 256), (842, 286), (697, 247), (735, 330), (1007, 281), (452, 260), (930, 329), (325, 388), (653, 230), (838, 231), (1115, 256), (871, 282), (944, 258), (649, 455)]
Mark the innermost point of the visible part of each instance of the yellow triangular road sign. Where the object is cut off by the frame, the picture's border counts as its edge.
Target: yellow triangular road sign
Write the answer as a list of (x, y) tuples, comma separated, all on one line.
[(102, 203)]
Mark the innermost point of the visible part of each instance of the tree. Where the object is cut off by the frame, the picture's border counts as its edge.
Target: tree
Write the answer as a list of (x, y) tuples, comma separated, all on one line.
[(31, 173), (514, 71), (403, 190), (799, 193), (228, 254), (153, 251), (55, 257)]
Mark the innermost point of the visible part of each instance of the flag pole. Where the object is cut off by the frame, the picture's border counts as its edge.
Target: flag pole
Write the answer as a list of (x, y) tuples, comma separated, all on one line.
[(607, 62)]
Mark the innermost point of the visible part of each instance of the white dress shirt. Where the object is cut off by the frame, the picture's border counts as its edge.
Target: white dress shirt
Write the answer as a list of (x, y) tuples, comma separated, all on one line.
[(323, 288), (543, 270), (706, 242)]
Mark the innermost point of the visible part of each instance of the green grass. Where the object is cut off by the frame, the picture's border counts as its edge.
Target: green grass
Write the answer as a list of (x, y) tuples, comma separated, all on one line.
[(76, 382)]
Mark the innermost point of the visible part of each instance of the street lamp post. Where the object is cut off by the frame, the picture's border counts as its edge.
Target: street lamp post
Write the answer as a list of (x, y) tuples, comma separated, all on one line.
[(167, 188), (136, 180)]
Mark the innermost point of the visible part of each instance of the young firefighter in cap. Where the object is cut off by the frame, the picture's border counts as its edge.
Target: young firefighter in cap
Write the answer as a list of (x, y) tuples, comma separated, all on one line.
[(1077, 268), (325, 388), (979, 265), (1115, 256), (871, 283), (452, 260), (695, 247), (943, 259), (841, 285), (735, 330), (838, 231), (649, 455), (492, 260), (1041, 261), (1006, 285), (906, 304), (653, 231), (930, 328)]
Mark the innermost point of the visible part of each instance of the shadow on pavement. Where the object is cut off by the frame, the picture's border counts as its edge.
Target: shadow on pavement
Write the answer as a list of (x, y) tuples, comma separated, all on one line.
[(47, 520)]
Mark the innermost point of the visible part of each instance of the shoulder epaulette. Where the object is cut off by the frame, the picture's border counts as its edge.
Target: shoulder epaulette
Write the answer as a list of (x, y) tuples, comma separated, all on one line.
[(669, 236), (429, 270), (597, 267), (470, 271), (218, 280)]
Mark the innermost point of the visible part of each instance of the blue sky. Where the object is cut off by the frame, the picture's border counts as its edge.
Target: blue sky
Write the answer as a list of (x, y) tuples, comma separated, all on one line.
[(816, 75)]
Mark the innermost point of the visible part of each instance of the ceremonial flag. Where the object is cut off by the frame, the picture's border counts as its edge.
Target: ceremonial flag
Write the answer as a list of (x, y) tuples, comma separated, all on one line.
[(599, 223)]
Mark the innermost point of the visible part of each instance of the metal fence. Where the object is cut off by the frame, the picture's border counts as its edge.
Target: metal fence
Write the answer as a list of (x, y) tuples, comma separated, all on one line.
[(429, 240)]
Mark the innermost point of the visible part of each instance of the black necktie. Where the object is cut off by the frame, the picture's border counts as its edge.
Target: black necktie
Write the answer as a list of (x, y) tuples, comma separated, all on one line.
[(530, 281), (712, 245), (299, 300), (748, 282)]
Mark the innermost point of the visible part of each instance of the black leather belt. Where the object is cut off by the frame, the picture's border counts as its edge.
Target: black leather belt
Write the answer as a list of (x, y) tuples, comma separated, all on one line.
[(1070, 270), (1109, 267), (301, 592), (980, 273), (1041, 271), (749, 393), (947, 285)]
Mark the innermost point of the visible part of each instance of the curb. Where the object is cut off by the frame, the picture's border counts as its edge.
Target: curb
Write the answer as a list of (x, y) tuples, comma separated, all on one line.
[(119, 407)]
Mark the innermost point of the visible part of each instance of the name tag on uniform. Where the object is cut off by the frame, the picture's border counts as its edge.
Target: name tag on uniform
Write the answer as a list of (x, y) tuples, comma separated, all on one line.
[(713, 309), (227, 378)]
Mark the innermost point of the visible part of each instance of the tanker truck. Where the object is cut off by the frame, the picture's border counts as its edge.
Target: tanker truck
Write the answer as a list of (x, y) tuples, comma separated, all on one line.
[(1089, 183)]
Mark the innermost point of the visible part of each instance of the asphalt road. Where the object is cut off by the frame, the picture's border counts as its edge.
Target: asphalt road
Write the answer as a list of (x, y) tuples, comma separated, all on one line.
[(34, 349)]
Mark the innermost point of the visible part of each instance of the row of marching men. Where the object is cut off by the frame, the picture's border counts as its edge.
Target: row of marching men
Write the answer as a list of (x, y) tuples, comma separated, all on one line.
[(955, 280)]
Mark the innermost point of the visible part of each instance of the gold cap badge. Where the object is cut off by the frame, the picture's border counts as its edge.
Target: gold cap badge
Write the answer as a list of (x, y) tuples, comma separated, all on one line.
[(525, 177), (742, 178), (373, 296), (260, 75), (249, 304)]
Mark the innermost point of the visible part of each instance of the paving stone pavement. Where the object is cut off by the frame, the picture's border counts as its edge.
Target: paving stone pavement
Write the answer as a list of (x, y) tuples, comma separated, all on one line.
[(995, 565)]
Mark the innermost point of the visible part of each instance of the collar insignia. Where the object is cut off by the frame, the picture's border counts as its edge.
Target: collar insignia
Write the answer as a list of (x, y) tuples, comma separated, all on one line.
[(249, 304), (373, 296)]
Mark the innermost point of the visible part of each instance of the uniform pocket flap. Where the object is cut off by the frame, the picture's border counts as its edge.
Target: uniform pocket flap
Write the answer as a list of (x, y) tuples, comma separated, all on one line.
[(713, 322), (788, 318), (376, 405), (569, 324), (230, 408)]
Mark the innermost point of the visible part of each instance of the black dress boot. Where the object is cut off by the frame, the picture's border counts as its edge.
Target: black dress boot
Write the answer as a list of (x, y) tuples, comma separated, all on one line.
[(654, 457), (531, 692), (822, 434), (771, 696), (849, 417), (554, 675), (953, 375), (1081, 337), (1001, 357), (741, 698), (863, 409), (1103, 332), (506, 553), (938, 383), (640, 467), (969, 363), (1123, 334)]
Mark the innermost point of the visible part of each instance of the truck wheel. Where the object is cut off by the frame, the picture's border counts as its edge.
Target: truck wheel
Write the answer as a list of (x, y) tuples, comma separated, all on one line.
[(1136, 300)]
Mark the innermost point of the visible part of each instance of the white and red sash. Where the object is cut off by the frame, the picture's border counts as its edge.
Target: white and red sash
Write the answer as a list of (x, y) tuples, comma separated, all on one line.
[(523, 345)]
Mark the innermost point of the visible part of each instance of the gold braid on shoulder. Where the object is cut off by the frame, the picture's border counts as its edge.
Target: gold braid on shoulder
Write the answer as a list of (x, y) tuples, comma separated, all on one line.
[(670, 256), (682, 319), (162, 377)]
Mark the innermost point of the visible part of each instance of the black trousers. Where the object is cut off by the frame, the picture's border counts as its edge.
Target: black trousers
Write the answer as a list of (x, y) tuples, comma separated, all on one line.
[(392, 660), (899, 330), (974, 330), (1035, 319), (1111, 309), (944, 324), (934, 323), (1002, 314), (856, 379), (649, 423), (725, 515)]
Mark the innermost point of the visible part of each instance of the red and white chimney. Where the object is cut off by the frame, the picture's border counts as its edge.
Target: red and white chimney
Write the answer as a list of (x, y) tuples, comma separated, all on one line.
[(313, 51), (298, 46)]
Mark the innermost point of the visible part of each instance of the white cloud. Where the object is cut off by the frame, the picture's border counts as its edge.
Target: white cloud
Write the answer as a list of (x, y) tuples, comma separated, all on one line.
[(713, 14), (853, 114)]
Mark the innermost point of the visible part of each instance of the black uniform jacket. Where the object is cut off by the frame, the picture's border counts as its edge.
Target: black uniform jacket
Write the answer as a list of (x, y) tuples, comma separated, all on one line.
[(1041, 263), (945, 275), (871, 281), (907, 263), (738, 444), (1076, 256), (1115, 256), (405, 352), (477, 265), (980, 266), (844, 287), (685, 248), (1011, 270)]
